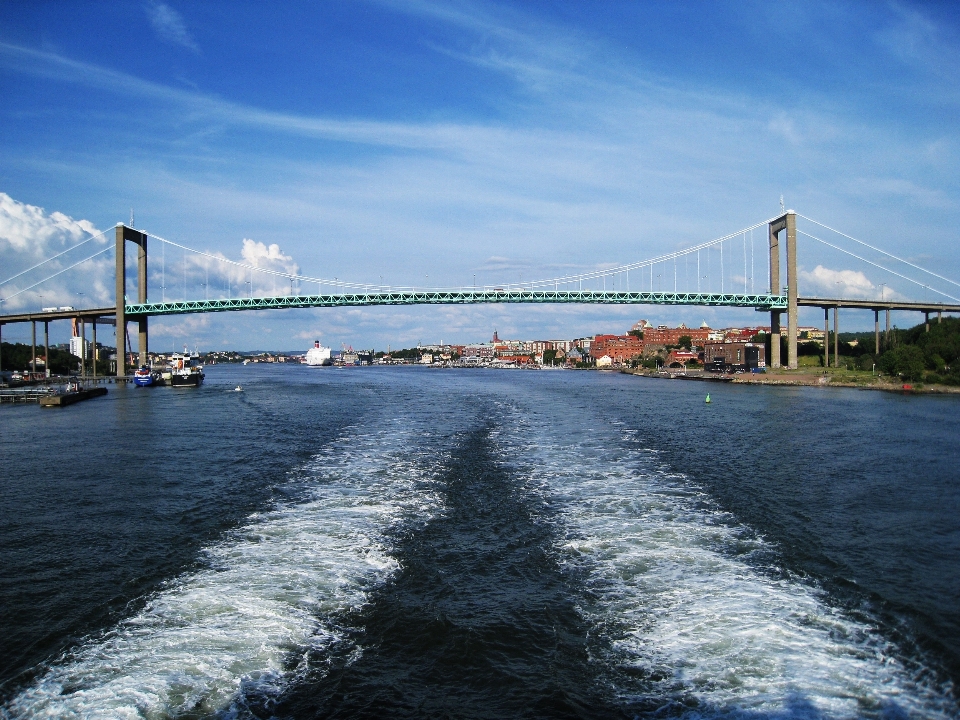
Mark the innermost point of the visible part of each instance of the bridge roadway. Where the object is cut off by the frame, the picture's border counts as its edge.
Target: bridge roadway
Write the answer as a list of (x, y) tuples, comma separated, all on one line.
[(459, 297), (762, 302)]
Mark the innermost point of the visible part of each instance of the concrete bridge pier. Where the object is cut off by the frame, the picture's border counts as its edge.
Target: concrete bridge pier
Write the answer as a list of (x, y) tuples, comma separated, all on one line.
[(826, 337), (876, 332), (33, 346), (46, 349), (786, 222), (139, 239), (836, 336), (94, 341)]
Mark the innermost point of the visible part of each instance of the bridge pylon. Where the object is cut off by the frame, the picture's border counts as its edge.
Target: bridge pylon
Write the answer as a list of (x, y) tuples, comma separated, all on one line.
[(788, 222), (125, 234)]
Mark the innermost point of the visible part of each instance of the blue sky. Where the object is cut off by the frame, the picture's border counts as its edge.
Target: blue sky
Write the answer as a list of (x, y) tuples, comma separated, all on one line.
[(426, 143)]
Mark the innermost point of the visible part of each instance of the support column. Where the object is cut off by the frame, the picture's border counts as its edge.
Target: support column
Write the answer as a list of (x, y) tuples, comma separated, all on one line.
[(83, 347), (826, 337), (886, 334), (876, 332), (939, 316), (142, 296), (123, 234), (121, 289), (774, 229), (94, 348), (791, 290), (1, 346), (46, 348), (926, 321), (33, 346), (836, 336)]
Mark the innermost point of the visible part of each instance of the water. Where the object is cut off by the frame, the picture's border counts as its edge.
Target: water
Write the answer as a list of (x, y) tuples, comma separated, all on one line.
[(405, 542)]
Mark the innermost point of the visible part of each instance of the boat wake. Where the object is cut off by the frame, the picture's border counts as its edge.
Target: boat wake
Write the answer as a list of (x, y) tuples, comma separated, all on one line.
[(700, 621), (268, 594)]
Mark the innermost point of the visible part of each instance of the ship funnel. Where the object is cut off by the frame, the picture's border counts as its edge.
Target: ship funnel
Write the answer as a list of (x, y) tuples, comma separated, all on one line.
[(316, 343)]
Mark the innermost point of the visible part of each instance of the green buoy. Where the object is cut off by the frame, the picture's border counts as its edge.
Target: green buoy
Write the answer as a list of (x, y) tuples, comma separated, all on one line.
[(708, 397)]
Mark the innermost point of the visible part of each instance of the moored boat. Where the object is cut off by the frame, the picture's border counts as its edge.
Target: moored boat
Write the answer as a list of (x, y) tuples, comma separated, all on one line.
[(146, 377), (185, 370)]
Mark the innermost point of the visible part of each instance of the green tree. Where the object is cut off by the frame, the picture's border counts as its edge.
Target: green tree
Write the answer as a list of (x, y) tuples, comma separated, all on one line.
[(636, 333), (906, 361), (685, 341)]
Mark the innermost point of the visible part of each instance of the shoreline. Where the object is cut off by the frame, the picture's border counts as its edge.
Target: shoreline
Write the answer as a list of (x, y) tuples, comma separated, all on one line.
[(799, 378)]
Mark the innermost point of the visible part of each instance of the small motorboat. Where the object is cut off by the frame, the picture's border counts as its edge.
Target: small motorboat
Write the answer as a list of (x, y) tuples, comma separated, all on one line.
[(238, 389)]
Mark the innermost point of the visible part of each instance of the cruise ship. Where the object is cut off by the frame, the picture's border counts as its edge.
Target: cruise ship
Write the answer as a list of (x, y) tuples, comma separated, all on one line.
[(318, 355)]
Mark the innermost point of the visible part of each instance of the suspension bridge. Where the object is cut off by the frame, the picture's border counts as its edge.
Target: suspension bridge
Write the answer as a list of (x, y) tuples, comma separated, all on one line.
[(723, 275)]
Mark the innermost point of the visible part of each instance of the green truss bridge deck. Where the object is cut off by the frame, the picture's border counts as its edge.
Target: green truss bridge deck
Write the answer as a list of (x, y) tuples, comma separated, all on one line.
[(460, 297)]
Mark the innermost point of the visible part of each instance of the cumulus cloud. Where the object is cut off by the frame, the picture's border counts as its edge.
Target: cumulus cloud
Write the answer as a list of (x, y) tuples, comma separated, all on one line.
[(32, 231), (841, 283), (179, 275), (267, 256), (169, 26), (29, 235)]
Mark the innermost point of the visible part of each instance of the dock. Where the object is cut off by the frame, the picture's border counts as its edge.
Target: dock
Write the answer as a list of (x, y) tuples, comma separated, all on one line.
[(23, 395), (69, 398)]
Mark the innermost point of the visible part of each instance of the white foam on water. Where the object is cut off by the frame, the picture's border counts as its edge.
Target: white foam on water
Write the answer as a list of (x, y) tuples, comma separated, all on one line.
[(261, 600), (695, 616)]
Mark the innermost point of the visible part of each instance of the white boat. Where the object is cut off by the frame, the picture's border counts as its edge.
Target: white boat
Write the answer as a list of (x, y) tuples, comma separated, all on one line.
[(318, 355)]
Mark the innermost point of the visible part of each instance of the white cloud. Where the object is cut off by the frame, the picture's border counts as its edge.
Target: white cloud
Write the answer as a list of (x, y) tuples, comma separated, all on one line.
[(269, 257), (32, 231), (169, 26), (29, 235), (839, 283)]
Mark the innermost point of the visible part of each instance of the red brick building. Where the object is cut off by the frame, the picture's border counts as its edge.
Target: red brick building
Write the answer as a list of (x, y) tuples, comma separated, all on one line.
[(662, 335), (681, 358), (619, 348)]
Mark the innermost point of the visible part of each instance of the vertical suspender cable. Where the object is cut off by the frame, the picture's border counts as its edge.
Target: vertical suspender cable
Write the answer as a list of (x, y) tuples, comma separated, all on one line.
[(744, 263)]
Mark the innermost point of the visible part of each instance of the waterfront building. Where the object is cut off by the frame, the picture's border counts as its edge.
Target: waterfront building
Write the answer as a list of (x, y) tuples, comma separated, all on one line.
[(680, 358), (662, 335), (734, 356), (619, 348)]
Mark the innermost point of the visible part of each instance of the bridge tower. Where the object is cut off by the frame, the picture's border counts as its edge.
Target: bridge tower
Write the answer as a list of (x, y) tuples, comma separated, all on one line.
[(125, 234), (788, 222)]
